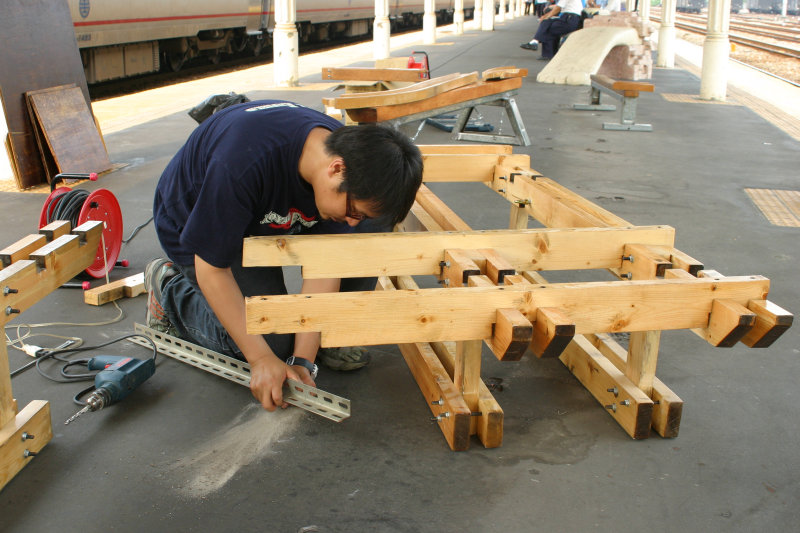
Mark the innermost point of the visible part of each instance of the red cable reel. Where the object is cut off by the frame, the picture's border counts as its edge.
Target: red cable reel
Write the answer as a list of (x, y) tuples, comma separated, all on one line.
[(100, 205)]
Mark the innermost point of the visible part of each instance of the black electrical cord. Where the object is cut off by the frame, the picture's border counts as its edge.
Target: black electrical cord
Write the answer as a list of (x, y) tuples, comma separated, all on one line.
[(136, 230), (67, 377), (66, 206)]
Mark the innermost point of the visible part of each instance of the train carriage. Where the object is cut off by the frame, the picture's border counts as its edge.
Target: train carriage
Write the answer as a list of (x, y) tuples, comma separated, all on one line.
[(122, 38)]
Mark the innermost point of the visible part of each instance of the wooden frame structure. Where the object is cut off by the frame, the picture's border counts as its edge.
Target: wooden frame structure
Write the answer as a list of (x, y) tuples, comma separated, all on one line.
[(494, 293), (32, 268)]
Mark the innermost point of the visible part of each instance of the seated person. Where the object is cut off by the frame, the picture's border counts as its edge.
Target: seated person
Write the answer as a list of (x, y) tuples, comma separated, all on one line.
[(562, 18)]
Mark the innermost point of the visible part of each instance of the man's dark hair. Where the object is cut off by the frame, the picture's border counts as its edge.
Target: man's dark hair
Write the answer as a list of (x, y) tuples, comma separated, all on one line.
[(382, 167)]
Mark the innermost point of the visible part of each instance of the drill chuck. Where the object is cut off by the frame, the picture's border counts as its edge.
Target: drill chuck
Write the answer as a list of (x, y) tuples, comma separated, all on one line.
[(98, 399)]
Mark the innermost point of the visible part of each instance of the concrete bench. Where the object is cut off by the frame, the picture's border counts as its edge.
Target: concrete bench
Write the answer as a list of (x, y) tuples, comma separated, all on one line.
[(624, 90)]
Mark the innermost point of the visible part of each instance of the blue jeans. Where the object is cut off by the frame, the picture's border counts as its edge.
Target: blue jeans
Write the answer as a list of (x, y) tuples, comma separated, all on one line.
[(551, 30), (195, 321)]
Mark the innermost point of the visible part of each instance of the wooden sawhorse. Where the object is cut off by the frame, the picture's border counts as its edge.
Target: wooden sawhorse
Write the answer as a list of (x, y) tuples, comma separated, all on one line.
[(447, 94)]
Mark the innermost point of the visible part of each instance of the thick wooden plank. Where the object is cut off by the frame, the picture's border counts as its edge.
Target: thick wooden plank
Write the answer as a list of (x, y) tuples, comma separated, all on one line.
[(407, 95), (67, 124), (463, 313), (373, 74), (551, 204), (465, 149), (56, 229), (62, 259), (771, 322), (129, 287), (502, 73), (512, 334), (21, 249), (552, 332), (623, 85), (457, 268), (7, 406), (641, 261), (456, 96), (390, 254), (42, 34), (442, 215), (629, 406), (667, 408), (442, 396), (728, 323), (461, 168), (34, 419), (487, 422)]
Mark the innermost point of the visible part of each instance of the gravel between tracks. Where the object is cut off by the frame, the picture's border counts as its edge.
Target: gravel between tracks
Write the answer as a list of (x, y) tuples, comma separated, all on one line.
[(785, 67)]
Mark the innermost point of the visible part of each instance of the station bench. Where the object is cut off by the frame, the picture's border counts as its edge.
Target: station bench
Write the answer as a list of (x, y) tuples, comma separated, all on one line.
[(624, 90)]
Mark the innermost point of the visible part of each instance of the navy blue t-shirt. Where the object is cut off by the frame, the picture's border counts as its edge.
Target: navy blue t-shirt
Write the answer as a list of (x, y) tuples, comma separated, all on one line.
[(237, 176)]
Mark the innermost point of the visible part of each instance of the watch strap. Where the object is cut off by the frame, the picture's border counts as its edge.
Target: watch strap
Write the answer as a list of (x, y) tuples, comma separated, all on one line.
[(300, 361)]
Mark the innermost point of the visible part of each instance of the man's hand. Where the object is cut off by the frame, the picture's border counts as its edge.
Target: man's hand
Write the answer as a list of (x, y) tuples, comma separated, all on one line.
[(267, 376)]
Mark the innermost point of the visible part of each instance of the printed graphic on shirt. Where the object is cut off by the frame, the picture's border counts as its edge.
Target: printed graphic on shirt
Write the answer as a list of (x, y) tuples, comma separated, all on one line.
[(270, 106), (292, 223)]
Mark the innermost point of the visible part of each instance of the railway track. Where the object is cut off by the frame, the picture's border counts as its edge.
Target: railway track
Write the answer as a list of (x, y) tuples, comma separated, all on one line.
[(791, 49)]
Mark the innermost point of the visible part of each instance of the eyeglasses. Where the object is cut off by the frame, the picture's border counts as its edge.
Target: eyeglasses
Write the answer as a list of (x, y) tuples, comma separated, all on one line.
[(350, 211)]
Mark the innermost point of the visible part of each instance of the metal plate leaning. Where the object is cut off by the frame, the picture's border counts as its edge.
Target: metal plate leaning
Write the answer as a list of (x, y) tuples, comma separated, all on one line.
[(295, 393)]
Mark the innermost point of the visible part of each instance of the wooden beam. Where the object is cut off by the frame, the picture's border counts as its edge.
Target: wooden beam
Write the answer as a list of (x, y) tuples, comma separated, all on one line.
[(473, 91), (346, 319), (129, 287), (448, 167), (728, 323), (641, 261), (391, 254), (466, 149), (511, 336), (548, 202), (50, 267), (552, 332), (21, 249), (771, 322), (34, 420), (667, 408), (442, 396), (628, 405), (373, 74), (424, 90), (457, 268)]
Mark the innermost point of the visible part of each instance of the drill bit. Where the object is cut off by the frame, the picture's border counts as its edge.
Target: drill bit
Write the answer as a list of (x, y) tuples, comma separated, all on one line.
[(79, 413)]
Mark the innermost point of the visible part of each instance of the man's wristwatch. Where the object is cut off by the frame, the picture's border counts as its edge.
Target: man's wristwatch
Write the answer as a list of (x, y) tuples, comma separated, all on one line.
[(299, 361)]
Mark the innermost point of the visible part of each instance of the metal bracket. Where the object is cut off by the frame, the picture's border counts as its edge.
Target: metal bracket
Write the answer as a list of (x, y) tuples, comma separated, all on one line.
[(295, 393)]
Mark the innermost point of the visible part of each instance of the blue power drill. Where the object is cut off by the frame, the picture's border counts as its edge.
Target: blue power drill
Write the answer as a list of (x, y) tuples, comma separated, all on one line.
[(118, 376)]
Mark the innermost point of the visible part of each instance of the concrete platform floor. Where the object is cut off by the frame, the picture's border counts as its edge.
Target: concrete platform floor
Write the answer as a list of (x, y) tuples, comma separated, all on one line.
[(189, 451)]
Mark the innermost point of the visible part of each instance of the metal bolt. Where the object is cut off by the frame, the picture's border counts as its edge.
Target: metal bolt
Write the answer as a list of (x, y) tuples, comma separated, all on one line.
[(445, 282), (443, 264), (446, 414), (627, 275), (612, 407), (628, 258), (625, 402), (440, 401), (522, 202), (25, 436), (501, 190), (8, 290), (10, 310), (502, 178), (656, 402), (28, 453), (614, 390)]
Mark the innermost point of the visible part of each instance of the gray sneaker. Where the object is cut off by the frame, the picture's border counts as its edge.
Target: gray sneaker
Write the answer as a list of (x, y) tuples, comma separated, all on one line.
[(156, 273), (343, 359)]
